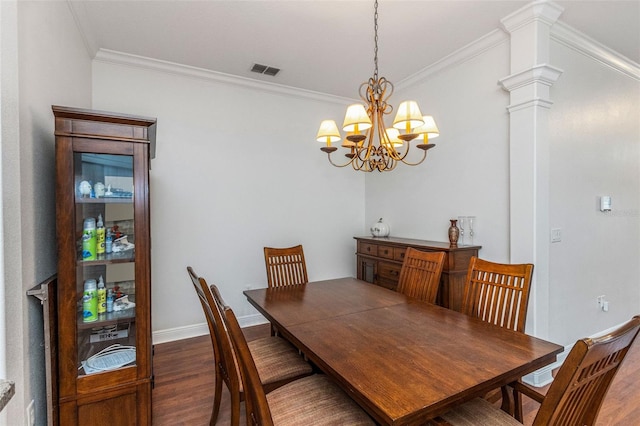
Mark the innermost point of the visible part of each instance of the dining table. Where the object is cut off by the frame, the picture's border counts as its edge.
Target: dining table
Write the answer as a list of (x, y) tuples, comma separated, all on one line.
[(402, 360)]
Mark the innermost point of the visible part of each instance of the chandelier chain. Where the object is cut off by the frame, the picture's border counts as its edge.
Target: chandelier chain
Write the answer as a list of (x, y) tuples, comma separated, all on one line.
[(376, 149), (375, 39)]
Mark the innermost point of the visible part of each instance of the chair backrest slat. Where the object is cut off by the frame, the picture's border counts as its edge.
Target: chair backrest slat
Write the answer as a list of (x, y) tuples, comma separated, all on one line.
[(285, 266), (258, 412), (498, 293), (579, 388), (420, 274), (195, 280), (223, 351)]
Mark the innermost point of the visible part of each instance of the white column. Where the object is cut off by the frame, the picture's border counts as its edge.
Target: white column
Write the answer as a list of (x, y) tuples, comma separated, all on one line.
[(529, 86)]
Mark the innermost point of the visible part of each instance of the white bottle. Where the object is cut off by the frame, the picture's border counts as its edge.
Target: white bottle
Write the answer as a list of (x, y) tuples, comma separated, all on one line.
[(89, 302), (108, 242), (100, 237), (102, 297), (89, 239)]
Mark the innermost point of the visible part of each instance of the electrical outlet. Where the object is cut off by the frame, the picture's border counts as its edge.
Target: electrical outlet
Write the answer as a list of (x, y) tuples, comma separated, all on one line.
[(31, 413)]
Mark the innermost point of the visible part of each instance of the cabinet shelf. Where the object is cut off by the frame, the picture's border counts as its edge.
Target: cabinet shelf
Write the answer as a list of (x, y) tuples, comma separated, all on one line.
[(120, 257), (107, 319), (105, 200)]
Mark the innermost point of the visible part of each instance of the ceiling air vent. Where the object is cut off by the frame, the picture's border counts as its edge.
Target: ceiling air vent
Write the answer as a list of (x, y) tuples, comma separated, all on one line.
[(264, 69)]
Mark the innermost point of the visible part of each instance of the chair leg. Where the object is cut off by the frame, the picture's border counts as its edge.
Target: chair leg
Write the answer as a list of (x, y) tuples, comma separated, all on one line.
[(217, 397), (235, 409)]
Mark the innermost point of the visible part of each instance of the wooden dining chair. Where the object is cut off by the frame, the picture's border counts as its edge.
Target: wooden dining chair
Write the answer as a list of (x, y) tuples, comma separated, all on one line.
[(285, 266), (420, 274), (277, 361), (575, 395), (310, 401), (498, 293)]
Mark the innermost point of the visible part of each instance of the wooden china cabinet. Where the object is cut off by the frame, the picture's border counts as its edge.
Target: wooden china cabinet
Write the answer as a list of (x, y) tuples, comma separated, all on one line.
[(104, 351), (379, 260)]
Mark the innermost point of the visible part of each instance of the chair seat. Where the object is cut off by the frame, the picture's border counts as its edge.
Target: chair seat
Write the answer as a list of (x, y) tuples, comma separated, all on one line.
[(314, 400), (479, 412), (277, 360)]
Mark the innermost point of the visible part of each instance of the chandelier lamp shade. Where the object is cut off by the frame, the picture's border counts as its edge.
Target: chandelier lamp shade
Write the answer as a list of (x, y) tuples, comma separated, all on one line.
[(370, 144)]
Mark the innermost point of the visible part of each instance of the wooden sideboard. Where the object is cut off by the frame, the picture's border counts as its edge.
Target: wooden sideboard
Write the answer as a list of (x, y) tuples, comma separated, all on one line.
[(379, 261)]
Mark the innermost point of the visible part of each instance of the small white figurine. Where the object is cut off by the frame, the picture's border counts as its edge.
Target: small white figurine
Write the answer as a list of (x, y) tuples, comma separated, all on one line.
[(85, 189)]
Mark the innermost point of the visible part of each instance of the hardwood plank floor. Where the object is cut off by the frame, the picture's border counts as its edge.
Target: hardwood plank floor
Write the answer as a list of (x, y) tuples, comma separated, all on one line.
[(184, 379)]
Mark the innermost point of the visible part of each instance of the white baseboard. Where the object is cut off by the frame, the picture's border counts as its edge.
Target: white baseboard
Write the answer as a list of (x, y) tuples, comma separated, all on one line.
[(179, 333), (195, 330)]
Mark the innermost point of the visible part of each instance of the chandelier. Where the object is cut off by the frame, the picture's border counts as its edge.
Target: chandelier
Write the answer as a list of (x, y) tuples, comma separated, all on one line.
[(370, 144)]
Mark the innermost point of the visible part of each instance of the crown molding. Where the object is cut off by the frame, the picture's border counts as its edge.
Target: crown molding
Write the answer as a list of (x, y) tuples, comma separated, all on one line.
[(543, 11), (79, 14), (464, 54), (560, 33), (581, 43), (135, 61)]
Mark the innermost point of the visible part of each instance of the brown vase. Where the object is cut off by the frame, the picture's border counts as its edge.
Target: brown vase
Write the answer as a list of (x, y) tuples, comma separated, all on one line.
[(454, 232)]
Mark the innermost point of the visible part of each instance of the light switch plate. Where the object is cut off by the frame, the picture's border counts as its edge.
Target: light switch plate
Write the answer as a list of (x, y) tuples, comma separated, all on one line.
[(556, 235)]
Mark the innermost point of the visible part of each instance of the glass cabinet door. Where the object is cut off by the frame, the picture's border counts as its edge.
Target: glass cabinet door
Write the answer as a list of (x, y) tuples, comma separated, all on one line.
[(105, 262)]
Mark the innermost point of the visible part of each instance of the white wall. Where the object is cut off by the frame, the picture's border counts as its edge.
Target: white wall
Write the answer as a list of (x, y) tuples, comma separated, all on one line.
[(54, 68), (595, 150), (209, 212), (237, 169), (467, 173)]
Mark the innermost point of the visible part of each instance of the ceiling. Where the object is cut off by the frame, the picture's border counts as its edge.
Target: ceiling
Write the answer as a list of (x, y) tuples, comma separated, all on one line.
[(326, 46)]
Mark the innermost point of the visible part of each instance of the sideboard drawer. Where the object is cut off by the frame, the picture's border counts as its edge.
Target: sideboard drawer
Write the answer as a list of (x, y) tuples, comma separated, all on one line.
[(385, 252), (370, 249), (398, 253), (389, 271)]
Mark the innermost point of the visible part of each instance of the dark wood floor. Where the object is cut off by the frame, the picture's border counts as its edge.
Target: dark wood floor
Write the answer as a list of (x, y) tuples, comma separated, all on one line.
[(184, 386)]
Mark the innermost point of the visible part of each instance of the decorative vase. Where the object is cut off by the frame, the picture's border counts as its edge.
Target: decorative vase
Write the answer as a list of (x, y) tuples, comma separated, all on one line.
[(454, 232), (380, 229)]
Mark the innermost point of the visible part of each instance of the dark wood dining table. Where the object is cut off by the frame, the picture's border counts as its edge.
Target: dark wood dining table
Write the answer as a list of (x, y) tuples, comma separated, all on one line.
[(404, 361)]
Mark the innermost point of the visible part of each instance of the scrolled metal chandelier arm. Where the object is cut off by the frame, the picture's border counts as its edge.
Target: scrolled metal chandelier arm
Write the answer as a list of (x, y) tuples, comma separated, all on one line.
[(392, 146)]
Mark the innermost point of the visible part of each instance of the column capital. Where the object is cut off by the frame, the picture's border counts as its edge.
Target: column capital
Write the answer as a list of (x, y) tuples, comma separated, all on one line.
[(543, 74), (543, 11)]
